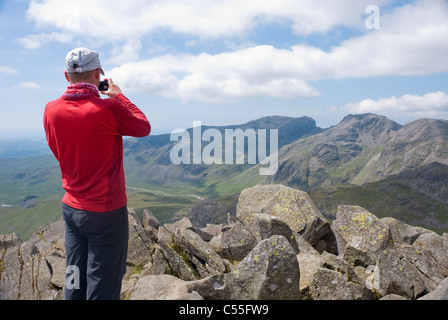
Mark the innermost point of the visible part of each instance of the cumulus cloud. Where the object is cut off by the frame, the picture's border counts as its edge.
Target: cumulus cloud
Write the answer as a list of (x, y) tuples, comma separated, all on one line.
[(29, 85), (34, 41), (434, 104), (8, 70), (411, 41), (246, 73), (116, 19)]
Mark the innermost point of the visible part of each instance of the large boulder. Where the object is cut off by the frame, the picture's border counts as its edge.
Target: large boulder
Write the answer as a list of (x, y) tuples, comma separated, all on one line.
[(360, 235), (269, 272), (394, 274), (163, 287), (440, 293), (235, 243), (292, 206), (25, 274), (140, 244)]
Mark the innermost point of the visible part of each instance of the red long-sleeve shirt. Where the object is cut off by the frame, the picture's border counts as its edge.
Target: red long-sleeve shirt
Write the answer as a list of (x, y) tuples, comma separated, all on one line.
[(85, 135)]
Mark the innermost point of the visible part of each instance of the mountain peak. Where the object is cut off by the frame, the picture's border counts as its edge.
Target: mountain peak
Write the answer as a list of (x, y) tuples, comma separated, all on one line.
[(368, 129)]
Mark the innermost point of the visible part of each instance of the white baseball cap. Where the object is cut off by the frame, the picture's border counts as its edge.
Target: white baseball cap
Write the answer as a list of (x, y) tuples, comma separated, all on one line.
[(81, 60)]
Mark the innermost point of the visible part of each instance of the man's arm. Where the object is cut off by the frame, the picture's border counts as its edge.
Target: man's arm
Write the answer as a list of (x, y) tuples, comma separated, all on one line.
[(131, 120)]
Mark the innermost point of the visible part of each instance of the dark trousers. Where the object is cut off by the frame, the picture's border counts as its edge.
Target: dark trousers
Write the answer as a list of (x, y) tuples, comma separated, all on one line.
[(96, 246)]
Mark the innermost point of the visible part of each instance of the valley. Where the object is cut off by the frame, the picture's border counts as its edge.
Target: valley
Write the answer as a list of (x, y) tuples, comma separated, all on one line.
[(368, 160)]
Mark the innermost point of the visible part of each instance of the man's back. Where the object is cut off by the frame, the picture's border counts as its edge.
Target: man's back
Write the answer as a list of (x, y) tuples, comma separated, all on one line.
[(85, 134)]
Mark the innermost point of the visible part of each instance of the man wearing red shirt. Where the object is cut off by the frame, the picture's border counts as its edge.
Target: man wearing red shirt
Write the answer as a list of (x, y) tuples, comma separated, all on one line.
[(85, 133)]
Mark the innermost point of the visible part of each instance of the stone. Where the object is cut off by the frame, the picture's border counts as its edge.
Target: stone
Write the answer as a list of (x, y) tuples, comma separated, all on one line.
[(330, 285), (293, 206), (395, 274), (309, 266), (235, 243), (402, 232), (269, 272), (50, 239), (440, 293), (200, 249), (163, 287), (433, 245), (57, 265), (360, 235), (140, 244), (149, 219), (25, 274)]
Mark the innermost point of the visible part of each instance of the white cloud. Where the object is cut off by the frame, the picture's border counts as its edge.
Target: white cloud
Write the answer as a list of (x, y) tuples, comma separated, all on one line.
[(118, 20), (411, 41), (8, 70), (34, 41), (258, 71), (126, 53), (29, 85), (434, 104)]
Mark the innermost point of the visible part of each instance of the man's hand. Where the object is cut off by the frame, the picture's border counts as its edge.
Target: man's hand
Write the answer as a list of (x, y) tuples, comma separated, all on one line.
[(113, 89)]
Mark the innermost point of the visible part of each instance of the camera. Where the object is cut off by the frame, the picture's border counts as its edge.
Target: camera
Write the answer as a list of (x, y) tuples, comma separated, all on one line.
[(104, 85)]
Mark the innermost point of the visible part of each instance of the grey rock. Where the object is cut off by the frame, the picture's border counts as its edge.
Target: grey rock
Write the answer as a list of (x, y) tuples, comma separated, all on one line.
[(440, 293), (163, 287), (149, 219), (235, 243), (360, 235), (330, 285), (395, 274), (270, 271)]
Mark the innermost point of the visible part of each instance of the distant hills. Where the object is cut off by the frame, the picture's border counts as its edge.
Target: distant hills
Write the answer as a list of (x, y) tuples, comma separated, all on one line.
[(403, 167), (368, 160)]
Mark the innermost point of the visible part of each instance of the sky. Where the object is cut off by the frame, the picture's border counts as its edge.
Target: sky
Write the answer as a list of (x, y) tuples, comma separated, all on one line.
[(231, 61)]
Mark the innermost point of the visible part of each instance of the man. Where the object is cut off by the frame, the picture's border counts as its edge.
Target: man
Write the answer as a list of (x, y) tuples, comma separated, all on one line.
[(85, 133)]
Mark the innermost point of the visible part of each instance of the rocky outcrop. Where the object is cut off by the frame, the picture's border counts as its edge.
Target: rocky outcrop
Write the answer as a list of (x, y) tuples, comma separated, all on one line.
[(279, 247)]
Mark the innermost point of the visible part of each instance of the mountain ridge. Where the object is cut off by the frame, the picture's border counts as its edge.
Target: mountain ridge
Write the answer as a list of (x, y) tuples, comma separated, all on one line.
[(361, 150)]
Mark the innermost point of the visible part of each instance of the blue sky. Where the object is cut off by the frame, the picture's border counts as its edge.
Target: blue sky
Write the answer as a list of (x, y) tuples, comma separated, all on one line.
[(229, 62)]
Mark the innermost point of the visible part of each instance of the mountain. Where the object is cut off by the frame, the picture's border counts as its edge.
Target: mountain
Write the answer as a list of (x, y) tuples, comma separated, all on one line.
[(19, 148), (147, 160), (360, 149), (366, 159)]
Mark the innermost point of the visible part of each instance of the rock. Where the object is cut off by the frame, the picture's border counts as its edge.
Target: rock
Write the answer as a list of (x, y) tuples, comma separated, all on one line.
[(149, 219), (291, 205), (235, 243), (402, 232), (9, 241), (317, 284), (208, 212), (278, 248), (25, 274), (50, 239), (332, 262), (393, 296), (395, 274), (150, 224), (178, 262), (210, 261), (440, 293), (57, 267), (140, 244), (360, 235), (427, 266), (269, 272), (159, 262), (330, 285), (433, 245), (163, 287), (208, 232), (309, 266)]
